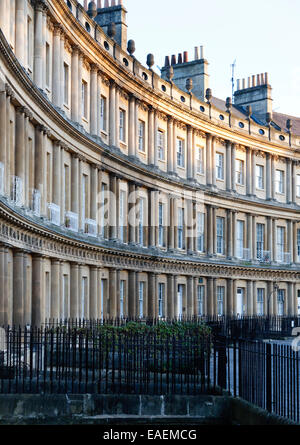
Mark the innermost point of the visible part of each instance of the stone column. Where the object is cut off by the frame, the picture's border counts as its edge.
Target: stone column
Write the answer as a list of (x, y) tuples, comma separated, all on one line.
[(171, 234), (288, 181), (57, 167), (290, 240), (131, 127), (132, 293), (112, 113), (20, 31), (117, 117), (152, 217), (233, 167), (131, 213), (253, 191), (151, 137), (230, 241), (254, 297), (112, 293), (295, 248), (20, 145), (170, 142), (93, 99), (18, 289), (190, 158), (210, 296), (228, 166), (152, 296), (38, 45), (290, 300), (75, 184), (268, 177), (249, 298), (190, 296), (94, 290), (170, 297), (55, 289), (230, 297), (270, 237), (74, 291), (294, 182), (3, 278), (254, 253), (209, 231), (74, 83), (3, 133), (248, 171), (94, 191), (113, 207), (38, 294), (250, 235), (214, 229), (80, 64), (213, 162), (208, 160), (273, 177), (56, 66)]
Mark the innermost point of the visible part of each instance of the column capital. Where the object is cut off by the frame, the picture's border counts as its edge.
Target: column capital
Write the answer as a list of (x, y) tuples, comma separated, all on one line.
[(57, 29), (28, 113), (20, 109), (94, 68), (41, 6), (76, 49)]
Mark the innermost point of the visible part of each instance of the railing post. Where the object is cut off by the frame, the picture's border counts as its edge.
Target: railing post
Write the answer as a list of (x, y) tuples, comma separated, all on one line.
[(268, 357)]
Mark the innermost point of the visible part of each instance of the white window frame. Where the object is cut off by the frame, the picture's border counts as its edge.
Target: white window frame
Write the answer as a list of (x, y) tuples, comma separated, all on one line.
[(220, 300), (122, 123), (260, 180), (280, 302), (200, 300), (240, 172), (161, 224), (180, 228), (240, 231), (260, 299), (280, 243), (122, 297), (279, 181), (200, 231), (260, 240), (220, 229), (298, 186), (220, 166), (141, 143), (161, 299), (160, 145), (103, 113), (200, 158), (141, 298), (180, 153)]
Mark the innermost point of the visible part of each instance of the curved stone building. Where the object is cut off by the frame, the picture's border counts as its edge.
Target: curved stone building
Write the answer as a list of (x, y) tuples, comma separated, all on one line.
[(125, 193)]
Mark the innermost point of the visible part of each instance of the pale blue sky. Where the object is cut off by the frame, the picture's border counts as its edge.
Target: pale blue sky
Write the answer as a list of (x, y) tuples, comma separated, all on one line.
[(262, 35)]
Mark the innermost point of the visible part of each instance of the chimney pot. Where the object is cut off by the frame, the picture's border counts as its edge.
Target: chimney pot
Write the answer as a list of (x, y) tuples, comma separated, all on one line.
[(99, 4), (244, 84), (85, 4), (249, 82), (179, 59), (106, 4), (253, 81), (113, 2), (167, 61), (266, 78), (257, 79), (238, 84), (185, 56), (196, 53), (173, 59), (201, 52)]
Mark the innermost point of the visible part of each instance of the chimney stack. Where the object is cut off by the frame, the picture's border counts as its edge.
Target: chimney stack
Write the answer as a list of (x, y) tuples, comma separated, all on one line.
[(113, 12), (258, 95), (196, 69)]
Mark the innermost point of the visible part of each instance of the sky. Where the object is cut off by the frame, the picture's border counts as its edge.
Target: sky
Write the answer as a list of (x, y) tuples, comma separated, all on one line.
[(261, 35)]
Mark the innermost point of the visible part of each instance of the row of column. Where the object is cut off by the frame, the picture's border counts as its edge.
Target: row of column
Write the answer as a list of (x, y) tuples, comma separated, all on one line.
[(32, 292)]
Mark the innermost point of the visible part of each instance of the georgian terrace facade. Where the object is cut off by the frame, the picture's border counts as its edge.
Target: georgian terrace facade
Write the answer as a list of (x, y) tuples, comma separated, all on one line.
[(122, 195)]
